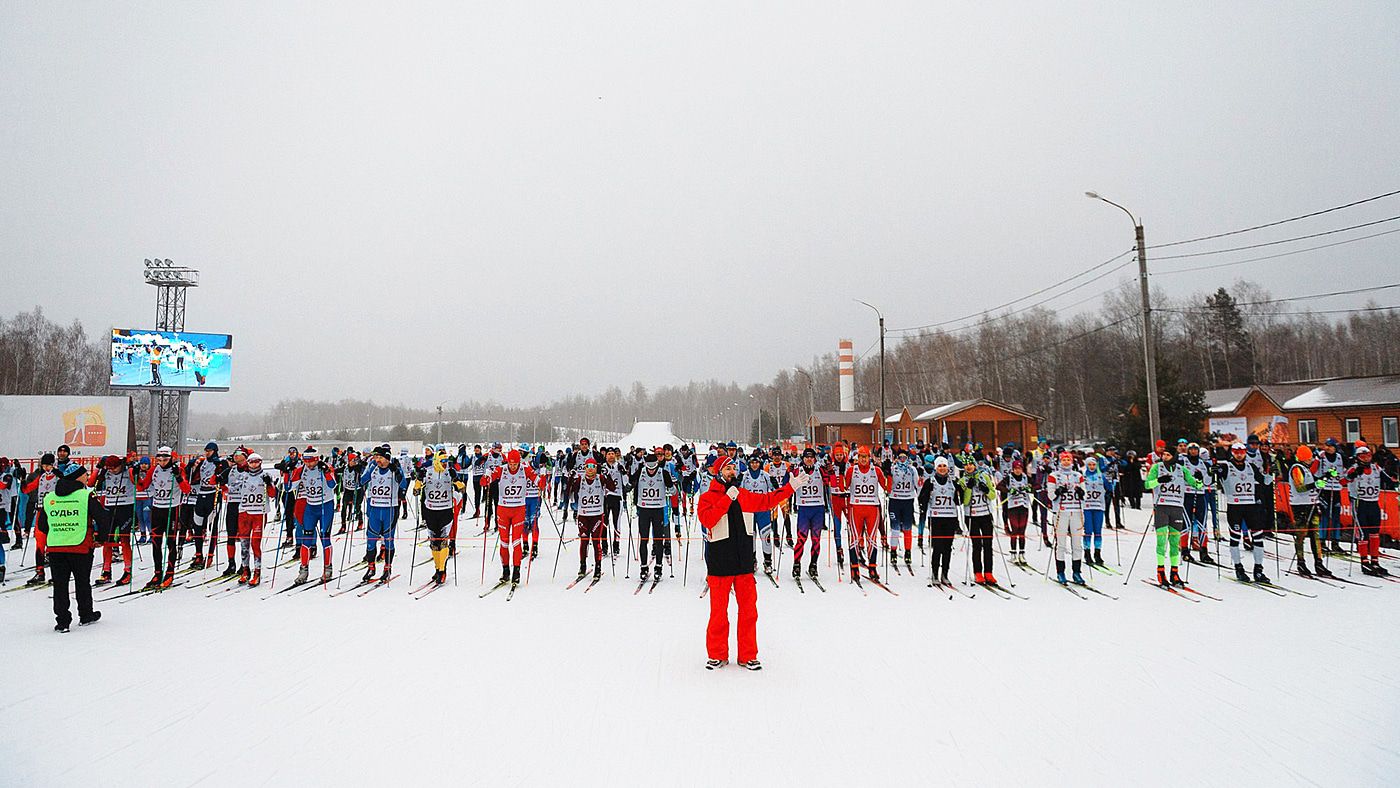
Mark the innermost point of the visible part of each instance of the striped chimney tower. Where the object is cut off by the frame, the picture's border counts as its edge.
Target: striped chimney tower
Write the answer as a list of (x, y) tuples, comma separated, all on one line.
[(846, 372)]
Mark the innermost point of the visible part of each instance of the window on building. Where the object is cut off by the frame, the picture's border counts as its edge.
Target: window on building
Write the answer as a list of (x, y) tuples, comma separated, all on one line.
[(1307, 431), (1390, 431), (1353, 430)]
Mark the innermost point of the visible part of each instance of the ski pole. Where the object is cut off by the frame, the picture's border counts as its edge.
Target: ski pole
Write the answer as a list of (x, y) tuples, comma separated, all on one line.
[(1150, 518)]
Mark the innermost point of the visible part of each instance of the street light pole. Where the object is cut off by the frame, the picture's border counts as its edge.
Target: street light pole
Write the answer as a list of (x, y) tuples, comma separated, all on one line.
[(881, 425), (810, 430), (1149, 341), (439, 425)]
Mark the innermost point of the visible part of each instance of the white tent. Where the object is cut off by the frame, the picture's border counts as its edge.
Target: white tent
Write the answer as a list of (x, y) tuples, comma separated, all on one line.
[(649, 434)]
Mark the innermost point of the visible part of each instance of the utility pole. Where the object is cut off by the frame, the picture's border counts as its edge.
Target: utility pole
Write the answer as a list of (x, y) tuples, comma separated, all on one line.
[(439, 425), (1149, 340), (881, 424)]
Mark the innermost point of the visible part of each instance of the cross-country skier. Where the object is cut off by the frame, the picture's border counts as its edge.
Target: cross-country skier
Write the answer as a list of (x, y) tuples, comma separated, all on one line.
[(230, 484), (756, 479), (314, 482), (255, 488), (351, 491), (1065, 486), (204, 473), (837, 465), (942, 518), (1198, 502), (724, 512), (650, 481), (435, 486), (589, 490), (612, 500), (1364, 486), (40, 482), (975, 488), (1242, 483), (1015, 489), (384, 484), (1095, 510), (865, 480), (509, 481), (1169, 480), (811, 512), (1329, 467), (905, 481), (1303, 489), (115, 486), (167, 484)]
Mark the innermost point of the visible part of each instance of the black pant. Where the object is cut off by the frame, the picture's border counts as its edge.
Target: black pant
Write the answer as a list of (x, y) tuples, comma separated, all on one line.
[(651, 523), (476, 495), (979, 527), (78, 567), (940, 537), (164, 527), (612, 509)]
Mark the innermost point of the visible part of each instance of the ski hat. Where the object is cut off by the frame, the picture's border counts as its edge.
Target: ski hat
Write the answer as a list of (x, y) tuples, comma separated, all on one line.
[(112, 462), (1362, 448), (809, 452), (211, 446), (513, 456), (1016, 465), (1181, 441), (1161, 444), (941, 462), (380, 451), (496, 445), (1237, 446), (719, 464), (1304, 454), (590, 461), (241, 450), (1332, 442), (254, 458), (310, 453), (163, 451), (1252, 439)]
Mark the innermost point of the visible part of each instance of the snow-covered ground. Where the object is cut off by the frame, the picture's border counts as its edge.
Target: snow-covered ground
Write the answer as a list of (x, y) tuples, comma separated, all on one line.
[(559, 687)]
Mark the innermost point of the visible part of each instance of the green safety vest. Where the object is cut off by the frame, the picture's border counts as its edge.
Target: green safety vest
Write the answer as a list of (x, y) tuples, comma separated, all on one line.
[(68, 517)]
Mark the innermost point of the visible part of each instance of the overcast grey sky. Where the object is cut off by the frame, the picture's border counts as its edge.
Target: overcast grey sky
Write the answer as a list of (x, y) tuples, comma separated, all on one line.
[(482, 182)]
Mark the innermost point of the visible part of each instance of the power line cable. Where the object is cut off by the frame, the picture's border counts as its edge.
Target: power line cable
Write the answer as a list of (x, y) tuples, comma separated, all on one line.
[(1277, 223), (1088, 270), (1273, 256), (1276, 243)]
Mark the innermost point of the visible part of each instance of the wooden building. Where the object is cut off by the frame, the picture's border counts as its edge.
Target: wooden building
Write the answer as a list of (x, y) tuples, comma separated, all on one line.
[(1311, 411)]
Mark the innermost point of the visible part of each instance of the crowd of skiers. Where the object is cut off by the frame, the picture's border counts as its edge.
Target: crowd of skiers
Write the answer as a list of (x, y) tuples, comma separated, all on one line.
[(874, 498)]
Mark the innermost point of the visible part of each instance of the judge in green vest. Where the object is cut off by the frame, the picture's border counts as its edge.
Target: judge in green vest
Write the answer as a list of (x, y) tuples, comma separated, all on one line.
[(70, 519)]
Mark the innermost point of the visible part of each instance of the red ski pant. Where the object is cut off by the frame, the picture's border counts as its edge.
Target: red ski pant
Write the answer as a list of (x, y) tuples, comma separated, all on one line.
[(590, 535), (250, 533), (717, 633), (510, 533), (865, 521)]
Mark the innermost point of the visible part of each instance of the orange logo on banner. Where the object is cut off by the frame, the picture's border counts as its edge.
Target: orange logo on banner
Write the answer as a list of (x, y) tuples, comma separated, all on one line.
[(85, 427)]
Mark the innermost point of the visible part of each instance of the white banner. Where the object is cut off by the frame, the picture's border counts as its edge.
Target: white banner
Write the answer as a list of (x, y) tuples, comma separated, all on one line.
[(91, 426), (1237, 426)]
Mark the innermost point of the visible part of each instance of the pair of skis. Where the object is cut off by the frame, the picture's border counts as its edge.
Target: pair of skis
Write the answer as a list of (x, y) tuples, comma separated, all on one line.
[(1182, 591), (497, 587)]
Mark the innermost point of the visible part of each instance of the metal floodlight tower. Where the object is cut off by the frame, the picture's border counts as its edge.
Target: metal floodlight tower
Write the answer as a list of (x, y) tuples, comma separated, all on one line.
[(169, 409)]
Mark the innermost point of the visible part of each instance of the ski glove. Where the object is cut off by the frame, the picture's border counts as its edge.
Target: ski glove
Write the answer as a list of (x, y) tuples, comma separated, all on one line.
[(1079, 493)]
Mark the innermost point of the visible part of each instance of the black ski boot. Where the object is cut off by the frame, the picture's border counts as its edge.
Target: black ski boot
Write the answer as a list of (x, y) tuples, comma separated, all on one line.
[(231, 570), (505, 573), (767, 565), (645, 573), (1259, 576), (1205, 558), (1367, 570), (598, 571), (1088, 556), (874, 574), (1303, 568), (103, 579), (1162, 577), (812, 570), (369, 573), (515, 576), (796, 571), (1098, 558), (1176, 579), (1323, 571), (1240, 574), (1378, 569)]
